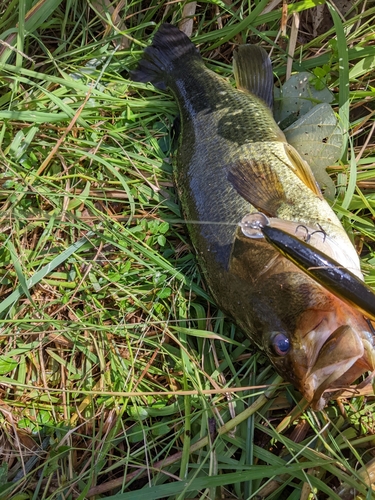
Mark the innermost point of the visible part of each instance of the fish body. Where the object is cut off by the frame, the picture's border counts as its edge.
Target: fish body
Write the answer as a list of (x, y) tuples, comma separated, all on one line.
[(233, 160)]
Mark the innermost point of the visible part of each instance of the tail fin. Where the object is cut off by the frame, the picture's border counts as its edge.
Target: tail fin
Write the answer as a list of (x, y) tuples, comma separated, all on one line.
[(159, 60)]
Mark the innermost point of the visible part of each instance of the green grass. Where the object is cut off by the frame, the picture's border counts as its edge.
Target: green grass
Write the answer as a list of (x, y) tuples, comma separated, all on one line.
[(119, 378)]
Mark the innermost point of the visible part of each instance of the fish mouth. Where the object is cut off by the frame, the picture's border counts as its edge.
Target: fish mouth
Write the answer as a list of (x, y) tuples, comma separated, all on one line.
[(343, 358)]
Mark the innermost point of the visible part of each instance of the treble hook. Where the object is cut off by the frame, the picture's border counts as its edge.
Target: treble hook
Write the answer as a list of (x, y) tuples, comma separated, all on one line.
[(308, 234)]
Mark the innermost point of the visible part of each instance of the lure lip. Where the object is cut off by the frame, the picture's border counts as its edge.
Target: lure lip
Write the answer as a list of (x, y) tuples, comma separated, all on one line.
[(323, 269)]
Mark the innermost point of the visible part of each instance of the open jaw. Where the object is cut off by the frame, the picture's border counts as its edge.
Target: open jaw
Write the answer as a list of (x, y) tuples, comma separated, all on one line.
[(343, 357)]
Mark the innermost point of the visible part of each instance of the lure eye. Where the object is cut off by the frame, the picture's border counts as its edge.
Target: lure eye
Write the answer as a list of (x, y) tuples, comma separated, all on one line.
[(281, 344)]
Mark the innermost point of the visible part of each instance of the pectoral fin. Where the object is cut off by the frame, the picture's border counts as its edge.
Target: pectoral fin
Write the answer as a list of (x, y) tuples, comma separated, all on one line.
[(302, 169), (255, 174), (258, 183)]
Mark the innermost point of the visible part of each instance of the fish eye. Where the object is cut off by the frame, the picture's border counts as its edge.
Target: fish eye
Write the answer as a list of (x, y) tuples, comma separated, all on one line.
[(281, 344)]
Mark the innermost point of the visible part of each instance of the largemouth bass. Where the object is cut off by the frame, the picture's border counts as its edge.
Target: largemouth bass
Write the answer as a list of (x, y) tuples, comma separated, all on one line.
[(233, 160)]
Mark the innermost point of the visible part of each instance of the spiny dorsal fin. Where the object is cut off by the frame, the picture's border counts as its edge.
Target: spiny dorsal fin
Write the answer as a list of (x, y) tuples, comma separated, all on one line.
[(253, 72), (302, 169), (257, 182)]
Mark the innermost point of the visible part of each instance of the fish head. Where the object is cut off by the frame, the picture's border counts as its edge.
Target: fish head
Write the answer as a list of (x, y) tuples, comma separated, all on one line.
[(315, 340), (323, 350)]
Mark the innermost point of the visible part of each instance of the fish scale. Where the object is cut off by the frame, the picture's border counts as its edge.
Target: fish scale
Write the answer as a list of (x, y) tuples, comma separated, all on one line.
[(221, 124), (233, 160)]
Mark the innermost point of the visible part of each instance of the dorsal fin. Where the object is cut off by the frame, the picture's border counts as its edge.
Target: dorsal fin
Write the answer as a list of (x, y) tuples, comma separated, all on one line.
[(252, 69)]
